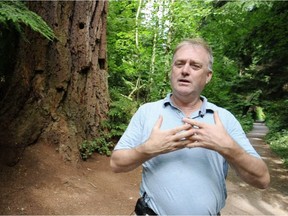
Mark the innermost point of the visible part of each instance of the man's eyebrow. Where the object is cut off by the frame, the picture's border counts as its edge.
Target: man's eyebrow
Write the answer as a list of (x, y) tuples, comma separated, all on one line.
[(180, 60), (190, 61)]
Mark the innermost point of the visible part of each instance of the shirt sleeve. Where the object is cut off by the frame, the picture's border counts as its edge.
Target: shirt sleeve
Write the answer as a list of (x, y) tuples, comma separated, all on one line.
[(236, 131), (133, 133)]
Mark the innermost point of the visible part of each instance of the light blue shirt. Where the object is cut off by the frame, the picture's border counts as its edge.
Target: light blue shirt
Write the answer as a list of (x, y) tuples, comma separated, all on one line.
[(187, 181)]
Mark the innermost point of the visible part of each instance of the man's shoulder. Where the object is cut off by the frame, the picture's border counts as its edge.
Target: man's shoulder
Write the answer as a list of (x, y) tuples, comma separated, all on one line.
[(219, 109), (214, 107)]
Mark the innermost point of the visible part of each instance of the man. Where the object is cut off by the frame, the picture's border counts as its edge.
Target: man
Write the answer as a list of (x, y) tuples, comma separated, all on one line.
[(185, 143)]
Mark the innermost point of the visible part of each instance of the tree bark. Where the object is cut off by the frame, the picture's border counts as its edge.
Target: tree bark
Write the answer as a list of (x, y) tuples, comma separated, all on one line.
[(59, 90)]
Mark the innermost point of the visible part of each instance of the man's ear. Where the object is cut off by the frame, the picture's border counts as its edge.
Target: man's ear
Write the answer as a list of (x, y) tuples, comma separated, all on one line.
[(209, 77)]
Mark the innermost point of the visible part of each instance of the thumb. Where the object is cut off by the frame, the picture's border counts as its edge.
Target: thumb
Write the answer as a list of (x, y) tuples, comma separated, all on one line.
[(158, 122), (217, 119)]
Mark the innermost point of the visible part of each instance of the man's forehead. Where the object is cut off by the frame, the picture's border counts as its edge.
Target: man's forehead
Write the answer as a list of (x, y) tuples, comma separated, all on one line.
[(191, 48), (192, 53)]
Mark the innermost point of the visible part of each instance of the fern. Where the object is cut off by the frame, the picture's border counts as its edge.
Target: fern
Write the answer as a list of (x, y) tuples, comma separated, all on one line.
[(16, 13)]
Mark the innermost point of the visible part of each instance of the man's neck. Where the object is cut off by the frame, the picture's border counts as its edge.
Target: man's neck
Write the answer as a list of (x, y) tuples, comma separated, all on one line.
[(187, 106)]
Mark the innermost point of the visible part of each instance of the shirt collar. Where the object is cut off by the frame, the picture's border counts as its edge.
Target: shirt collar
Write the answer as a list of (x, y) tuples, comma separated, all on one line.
[(203, 109)]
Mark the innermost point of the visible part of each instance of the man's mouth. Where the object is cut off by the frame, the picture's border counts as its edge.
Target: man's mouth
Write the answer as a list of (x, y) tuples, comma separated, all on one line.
[(183, 81)]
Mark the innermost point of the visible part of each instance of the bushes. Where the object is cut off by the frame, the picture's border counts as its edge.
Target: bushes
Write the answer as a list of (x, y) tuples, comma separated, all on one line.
[(246, 122), (100, 145), (278, 142), (121, 110)]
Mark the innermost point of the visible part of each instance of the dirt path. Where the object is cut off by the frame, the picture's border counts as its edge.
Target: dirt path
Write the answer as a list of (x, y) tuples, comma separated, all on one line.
[(41, 184), (246, 200)]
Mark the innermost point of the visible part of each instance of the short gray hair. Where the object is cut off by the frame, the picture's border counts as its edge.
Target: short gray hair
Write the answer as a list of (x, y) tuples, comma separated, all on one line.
[(197, 42)]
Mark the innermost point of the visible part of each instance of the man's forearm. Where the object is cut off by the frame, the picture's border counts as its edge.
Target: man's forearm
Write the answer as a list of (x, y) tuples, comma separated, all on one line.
[(251, 169), (128, 159)]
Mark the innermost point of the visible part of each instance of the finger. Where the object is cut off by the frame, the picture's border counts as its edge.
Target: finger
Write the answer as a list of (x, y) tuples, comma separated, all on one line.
[(158, 122), (194, 123), (179, 129), (194, 145), (188, 144), (194, 137), (184, 134), (217, 119), (181, 144)]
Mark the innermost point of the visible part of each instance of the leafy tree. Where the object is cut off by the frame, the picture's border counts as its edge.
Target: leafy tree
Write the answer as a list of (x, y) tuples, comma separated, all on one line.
[(248, 39), (258, 47)]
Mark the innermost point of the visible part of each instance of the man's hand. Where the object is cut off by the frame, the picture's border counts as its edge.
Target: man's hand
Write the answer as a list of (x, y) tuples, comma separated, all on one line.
[(164, 141), (251, 169), (159, 142), (210, 136)]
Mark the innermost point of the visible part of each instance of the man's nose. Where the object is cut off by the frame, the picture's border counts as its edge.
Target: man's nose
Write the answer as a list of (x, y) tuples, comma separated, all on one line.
[(186, 69)]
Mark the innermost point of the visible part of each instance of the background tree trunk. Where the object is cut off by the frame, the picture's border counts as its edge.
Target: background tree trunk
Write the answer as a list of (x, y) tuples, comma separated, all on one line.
[(59, 92)]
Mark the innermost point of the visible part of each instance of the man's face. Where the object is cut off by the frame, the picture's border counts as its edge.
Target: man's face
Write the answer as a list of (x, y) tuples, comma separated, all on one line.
[(190, 71)]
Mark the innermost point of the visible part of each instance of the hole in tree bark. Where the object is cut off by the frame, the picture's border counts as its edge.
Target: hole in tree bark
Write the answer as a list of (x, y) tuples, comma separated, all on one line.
[(101, 63), (85, 70), (81, 25)]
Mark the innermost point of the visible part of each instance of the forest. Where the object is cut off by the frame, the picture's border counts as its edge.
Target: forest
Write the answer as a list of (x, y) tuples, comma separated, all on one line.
[(249, 42)]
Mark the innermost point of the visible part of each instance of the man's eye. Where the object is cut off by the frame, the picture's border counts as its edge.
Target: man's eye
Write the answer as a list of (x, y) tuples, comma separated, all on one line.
[(179, 64), (195, 67)]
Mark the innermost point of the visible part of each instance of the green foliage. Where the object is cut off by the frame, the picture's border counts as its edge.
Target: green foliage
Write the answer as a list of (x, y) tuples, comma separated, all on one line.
[(251, 35), (100, 145), (246, 121), (277, 124), (276, 114), (278, 142), (249, 40), (124, 58), (121, 110), (260, 115), (15, 13), (187, 18)]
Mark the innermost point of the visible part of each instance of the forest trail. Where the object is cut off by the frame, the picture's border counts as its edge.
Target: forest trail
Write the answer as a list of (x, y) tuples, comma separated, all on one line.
[(41, 184), (246, 200)]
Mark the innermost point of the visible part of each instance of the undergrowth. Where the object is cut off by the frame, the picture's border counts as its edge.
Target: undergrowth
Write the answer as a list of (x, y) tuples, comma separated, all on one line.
[(100, 145), (119, 115), (246, 122), (278, 142)]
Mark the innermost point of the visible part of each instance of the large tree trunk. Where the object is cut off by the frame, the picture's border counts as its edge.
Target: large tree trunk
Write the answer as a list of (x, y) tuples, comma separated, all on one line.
[(59, 92)]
